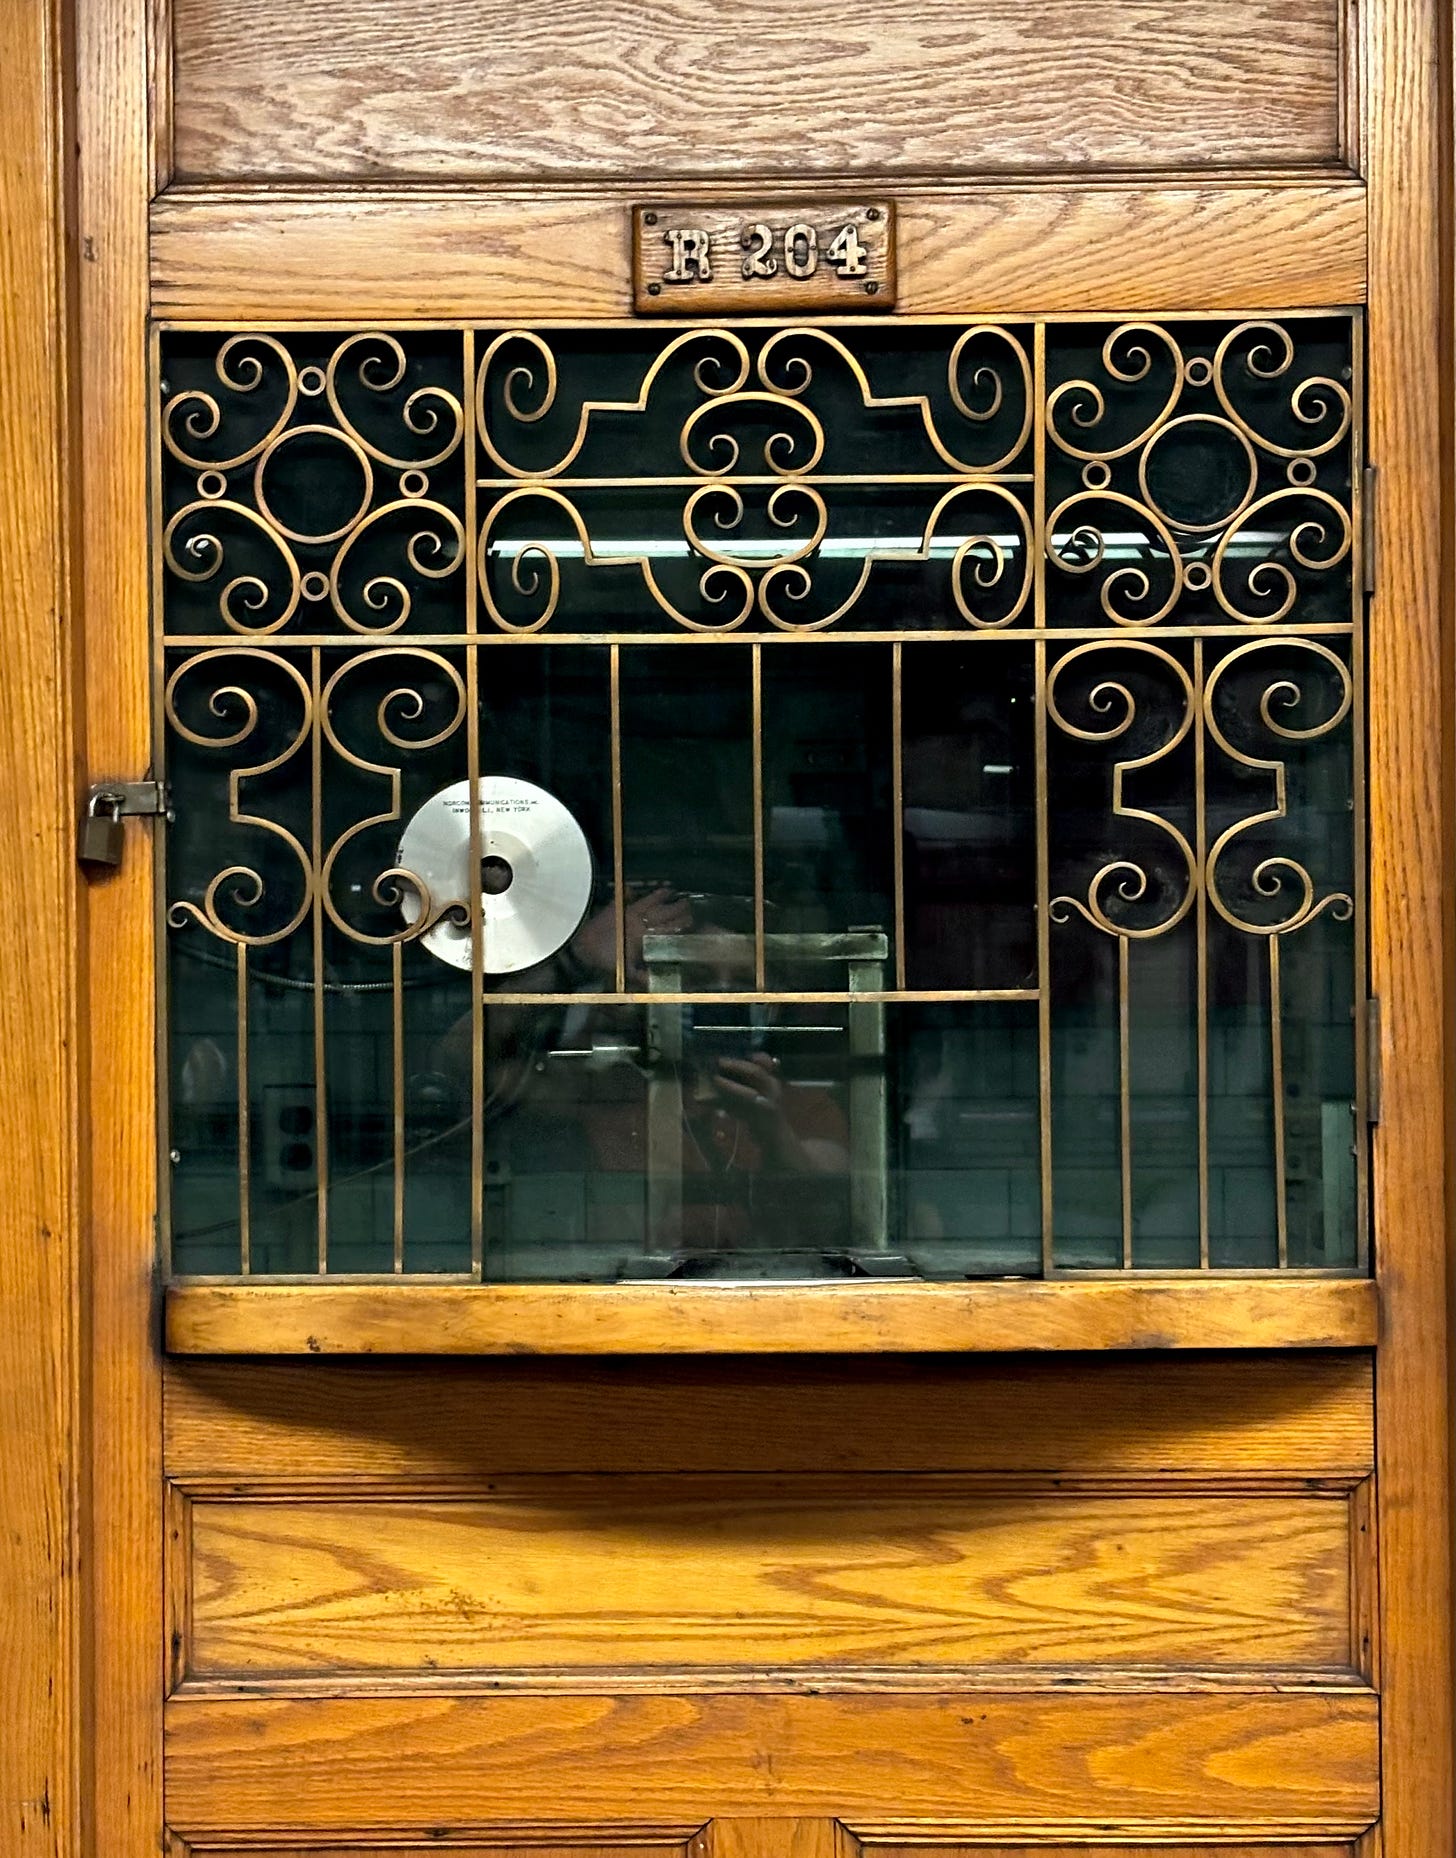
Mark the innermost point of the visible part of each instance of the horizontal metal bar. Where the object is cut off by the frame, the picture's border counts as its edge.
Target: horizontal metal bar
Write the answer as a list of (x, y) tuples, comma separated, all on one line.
[(965, 635)]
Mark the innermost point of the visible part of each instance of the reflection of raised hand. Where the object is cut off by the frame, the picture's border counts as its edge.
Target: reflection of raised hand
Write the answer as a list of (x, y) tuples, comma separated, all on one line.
[(661, 910), (754, 1091), (751, 1086)]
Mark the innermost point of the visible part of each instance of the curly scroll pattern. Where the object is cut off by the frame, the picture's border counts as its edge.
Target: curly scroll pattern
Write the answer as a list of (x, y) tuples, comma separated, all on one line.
[(1201, 472), (771, 472), (1102, 582), (310, 485), (1116, 687), (253, 876)]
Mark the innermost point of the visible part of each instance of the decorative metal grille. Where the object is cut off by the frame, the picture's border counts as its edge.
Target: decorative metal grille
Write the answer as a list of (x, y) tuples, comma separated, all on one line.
[(994, 689)]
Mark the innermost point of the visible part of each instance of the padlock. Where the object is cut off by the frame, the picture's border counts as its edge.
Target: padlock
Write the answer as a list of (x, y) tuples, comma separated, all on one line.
[(102, 834)]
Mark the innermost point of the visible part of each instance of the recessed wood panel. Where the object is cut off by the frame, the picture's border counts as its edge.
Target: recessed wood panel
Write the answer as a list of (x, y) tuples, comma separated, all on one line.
[(1300, 1415), (803, 1574), (1248, 1764), (742, 1838), (455, 87), (391, 252), (941, 1849), (529, 1842), (505, 1842)]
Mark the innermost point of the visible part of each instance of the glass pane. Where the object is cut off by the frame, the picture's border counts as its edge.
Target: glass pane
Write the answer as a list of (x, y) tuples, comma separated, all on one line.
[(764, 802)]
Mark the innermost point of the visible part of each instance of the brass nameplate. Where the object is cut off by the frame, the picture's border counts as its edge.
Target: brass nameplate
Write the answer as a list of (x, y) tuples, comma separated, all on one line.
[(697, 260)]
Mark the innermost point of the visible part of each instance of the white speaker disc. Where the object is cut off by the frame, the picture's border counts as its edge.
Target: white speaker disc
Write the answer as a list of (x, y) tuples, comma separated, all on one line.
[(529, 842)]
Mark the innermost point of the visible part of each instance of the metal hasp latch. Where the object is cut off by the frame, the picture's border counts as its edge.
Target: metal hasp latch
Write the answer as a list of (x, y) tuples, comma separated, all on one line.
[(101, 840)]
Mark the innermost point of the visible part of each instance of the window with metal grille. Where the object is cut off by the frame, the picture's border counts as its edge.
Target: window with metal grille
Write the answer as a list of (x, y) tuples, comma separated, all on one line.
[(763, 801)]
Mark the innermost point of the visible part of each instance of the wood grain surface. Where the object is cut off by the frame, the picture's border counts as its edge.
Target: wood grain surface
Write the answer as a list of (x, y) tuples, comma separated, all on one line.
[(783, 1838), (1105, 248), (946, 1849), (573, 1841), (116, 67), (1301, 1415), (658, 88), (1137, 1313), (1408, 154), (742, 1837), (1253, 1764), (801, 1574), (42, 1220), (738, 1838)]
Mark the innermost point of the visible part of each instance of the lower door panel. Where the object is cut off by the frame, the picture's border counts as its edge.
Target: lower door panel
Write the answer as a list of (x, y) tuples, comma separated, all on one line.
[(721, 1608), (744, 1838)]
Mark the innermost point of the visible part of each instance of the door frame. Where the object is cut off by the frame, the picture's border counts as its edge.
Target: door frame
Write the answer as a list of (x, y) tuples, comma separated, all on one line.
[(80, 1400)]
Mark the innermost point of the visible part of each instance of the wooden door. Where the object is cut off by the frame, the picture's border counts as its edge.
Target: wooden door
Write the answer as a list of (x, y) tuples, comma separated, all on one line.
[(1057, 1526)]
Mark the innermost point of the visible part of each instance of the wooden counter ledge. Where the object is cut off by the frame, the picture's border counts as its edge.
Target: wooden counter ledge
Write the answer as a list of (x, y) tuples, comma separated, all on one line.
[(390, 1317)]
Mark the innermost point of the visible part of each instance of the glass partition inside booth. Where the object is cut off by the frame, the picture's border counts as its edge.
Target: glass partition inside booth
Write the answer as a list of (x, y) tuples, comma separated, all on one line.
[(764, 802)]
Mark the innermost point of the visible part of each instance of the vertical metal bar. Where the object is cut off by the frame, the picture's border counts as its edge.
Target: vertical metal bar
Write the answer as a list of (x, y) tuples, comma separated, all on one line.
[(869, 1177), (619, 898), (1042, 802), (396, 983), (664, 1110), (160, 939), (476, 906), (245, 1138), (476, 901), (1124, 1091), (897, 805), (1360, 1135), (320, 1050), (1038, 466), (759, 962), (1276, 1068), (1200, 833), (1043, 965)]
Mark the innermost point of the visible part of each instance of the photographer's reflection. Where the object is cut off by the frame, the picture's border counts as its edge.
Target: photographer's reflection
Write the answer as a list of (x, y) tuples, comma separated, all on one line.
[(569, 1085)]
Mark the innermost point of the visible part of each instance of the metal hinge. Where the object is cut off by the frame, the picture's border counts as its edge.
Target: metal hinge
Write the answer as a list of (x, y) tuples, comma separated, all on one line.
[(130, 799), (1369, 490), (1373, 1059)]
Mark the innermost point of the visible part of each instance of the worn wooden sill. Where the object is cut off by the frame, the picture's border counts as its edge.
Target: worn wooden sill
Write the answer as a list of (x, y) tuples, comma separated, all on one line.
[(394, 1317)]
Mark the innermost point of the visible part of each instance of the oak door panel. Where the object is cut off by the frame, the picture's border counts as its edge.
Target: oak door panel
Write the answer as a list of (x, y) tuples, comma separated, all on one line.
[(274, 253), (807, 1574), (504, 1842), (1249, 1763), (1295, 1415), (737, 1838), (942, 1849), (530, 1842), (425, 88)]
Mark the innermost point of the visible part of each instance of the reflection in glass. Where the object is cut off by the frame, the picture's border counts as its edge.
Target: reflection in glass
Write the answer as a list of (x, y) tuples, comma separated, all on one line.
[(967, 792)]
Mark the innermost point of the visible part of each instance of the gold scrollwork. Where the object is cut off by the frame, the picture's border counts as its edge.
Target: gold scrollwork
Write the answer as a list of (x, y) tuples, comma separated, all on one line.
[(1129, 362), (225, 520), (522, 378), (796, 376), (781, 449), (424, 410), (1271, 580), (1269, 875), (1312, 402), (1127, 879), (534, 560), (199, 414), (1236, 475), (979, 564), (435, 548), (1079, 546), (249, 590), (391, 886), (243, 885)]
